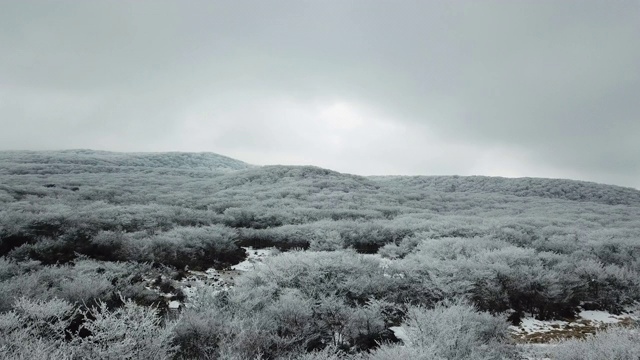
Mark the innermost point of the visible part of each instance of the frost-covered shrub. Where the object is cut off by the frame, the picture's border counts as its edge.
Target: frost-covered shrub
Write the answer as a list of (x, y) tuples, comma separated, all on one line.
[(85, 290), (47, 251), (615, 343), (32, 286), (36, 330), (346, 273), (8, 268), (328, 353), (45, 319), (18, 342), (366, 325), (252, 218), (522, 235), (284, 237), (368, 237), (395, 352), (561, 243), (198, 333), (353, 277), (128, 332), (196, 247), (244, 325), (451, 248), (329, 240), (276, 322), (398, 251), (42, 330), (609, 287), (9, 242), (82, 283), (498, 277), (293, 313), (108, 245), (457, 331), (613, 246)]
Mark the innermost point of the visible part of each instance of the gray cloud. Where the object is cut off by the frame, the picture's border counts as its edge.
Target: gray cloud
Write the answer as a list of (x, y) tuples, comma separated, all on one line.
[(536, 88)]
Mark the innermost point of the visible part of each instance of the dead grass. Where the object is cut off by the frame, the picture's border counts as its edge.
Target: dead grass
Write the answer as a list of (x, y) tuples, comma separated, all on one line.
[(576, 329)]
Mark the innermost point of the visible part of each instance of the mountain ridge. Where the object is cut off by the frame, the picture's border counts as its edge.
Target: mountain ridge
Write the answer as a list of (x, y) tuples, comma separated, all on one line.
[(82, 157), (239, 172)]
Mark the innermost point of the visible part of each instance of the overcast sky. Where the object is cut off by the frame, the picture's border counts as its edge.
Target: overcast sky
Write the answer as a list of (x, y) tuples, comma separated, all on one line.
[(508, 88)]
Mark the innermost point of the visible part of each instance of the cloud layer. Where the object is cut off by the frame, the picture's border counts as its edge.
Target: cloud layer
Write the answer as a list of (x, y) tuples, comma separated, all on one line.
[(528, 88)]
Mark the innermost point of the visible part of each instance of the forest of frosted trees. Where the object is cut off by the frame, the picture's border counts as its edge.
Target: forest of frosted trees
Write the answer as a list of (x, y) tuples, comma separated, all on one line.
[(87, 238)]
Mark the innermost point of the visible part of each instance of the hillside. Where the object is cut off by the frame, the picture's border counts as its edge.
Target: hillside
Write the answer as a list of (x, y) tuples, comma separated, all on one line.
[(39, 162), (522, 187), (359, 255)]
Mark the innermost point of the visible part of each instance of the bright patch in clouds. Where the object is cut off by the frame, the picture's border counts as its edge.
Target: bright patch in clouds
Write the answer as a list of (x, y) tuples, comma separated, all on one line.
[(284, 130), (342, 115), (338, 134)]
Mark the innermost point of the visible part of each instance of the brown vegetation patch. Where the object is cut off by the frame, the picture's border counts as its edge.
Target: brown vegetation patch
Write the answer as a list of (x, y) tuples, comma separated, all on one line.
[(577, 329)]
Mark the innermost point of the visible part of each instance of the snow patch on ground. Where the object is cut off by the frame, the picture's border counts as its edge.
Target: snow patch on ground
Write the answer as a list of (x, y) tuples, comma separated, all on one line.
[(401, 333), (254, 256), (530, 325), (219, 280), (196, 279), (587, 322), (601, 316), (174, 304)]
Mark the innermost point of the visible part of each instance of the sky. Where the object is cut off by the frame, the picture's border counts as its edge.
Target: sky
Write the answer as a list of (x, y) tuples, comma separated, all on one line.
[(539, 88)]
